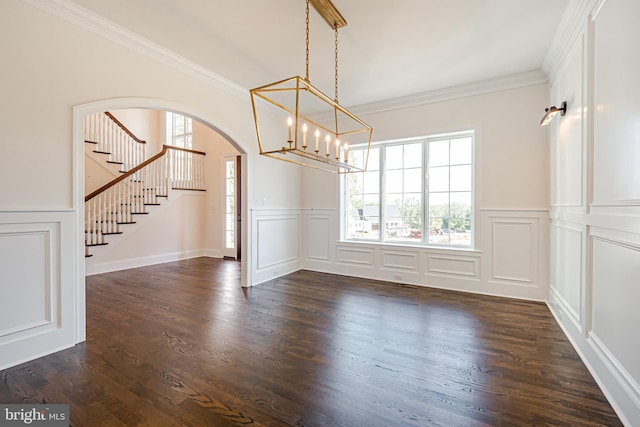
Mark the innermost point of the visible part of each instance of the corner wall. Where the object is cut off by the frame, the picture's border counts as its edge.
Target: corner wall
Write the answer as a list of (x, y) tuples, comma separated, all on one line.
[(595, 197)]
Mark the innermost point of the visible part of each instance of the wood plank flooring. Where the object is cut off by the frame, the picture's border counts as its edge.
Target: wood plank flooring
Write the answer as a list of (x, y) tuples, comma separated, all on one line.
[(182, 344)]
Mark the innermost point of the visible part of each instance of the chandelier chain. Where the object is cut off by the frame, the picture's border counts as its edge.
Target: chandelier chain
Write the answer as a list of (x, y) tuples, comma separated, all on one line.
[(307, 45), (335, 27)]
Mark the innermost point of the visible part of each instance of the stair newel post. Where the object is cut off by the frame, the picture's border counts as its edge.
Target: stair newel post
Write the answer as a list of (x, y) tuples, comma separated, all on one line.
[(197, 171), (188, 169), (127, 158), (145, 181), (100, 131), (98, 218), (128, 200), (152, 182), (164, 172), (94, 224), (87, 223), (105, 133), (113, 135), (175, 162), (119, 204), (135, 153), (111, 207), (119, 145), (201, 171), (103, 212), (91, 218), (139, 198), (182, 163)]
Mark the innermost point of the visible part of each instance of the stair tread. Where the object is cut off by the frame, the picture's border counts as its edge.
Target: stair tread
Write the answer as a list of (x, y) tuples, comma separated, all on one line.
[(96, 244), (113, 232), (90, 142), (114, 162), (190, 189), (88, 255), (101, 152), (124, 223), (152, 204)]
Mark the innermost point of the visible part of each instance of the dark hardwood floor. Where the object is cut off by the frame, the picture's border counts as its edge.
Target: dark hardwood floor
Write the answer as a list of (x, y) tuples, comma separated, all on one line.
[(182, 344)]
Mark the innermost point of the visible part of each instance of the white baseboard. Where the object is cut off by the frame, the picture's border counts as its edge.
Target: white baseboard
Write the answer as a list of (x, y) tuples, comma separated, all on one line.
[(107, 267), (615, 388)]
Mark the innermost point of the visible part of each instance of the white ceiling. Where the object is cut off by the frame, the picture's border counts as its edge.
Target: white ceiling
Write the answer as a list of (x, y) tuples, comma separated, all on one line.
[(389, 49)]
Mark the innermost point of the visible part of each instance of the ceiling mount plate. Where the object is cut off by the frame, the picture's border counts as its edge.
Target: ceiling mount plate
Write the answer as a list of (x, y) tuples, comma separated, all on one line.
[(328, 11)]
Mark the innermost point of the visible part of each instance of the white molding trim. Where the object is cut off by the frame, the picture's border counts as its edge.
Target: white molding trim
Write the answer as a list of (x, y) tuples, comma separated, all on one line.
[(107, 267), (556, 297), (109, 30), (512, 81), (615, 367), (571, 26)]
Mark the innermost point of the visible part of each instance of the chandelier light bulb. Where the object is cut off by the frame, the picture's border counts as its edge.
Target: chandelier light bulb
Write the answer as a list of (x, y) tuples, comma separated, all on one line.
[(290, 124), (317, 137)]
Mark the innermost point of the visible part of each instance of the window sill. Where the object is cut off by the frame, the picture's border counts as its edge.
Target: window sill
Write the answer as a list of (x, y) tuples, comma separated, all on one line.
[(430, 248)]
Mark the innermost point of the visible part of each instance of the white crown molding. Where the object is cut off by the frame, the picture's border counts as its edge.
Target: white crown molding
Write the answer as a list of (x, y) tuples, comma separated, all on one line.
[(572, 23), (102, 27), (512, 81)]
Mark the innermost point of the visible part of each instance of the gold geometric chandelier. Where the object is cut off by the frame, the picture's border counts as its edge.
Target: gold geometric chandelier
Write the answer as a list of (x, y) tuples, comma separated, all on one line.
[(316, 130)]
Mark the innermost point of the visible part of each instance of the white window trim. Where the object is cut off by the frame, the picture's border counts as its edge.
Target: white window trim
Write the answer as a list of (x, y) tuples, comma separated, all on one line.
[(342, 194)]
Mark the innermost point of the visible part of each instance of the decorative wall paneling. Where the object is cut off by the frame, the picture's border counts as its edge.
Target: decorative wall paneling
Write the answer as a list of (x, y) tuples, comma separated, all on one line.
[(276, 243), (37, 285), (595, 238), (511, 262)]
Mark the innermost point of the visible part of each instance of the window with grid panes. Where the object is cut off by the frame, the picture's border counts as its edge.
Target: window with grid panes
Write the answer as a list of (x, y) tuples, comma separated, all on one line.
[(417, 191)]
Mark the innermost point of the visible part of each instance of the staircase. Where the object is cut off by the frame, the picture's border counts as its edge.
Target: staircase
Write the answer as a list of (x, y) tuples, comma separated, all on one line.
[(141, 183)]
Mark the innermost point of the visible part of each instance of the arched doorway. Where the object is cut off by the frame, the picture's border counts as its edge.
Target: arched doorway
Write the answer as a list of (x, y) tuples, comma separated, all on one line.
[(79, 180)]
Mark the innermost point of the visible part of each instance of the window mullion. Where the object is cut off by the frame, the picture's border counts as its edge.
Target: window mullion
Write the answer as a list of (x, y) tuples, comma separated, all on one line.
[(383, 193), (425, 192)]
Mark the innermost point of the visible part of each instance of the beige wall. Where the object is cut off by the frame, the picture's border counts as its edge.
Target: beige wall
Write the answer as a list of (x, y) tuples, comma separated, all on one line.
[(512, 161)]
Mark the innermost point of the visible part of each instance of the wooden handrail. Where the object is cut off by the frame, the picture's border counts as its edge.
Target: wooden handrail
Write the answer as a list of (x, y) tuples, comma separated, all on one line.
[(124, 128), (171, 147), (137, 168)]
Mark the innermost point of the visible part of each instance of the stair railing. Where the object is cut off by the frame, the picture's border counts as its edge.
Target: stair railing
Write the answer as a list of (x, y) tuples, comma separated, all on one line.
[(118, 201), (113, 138)]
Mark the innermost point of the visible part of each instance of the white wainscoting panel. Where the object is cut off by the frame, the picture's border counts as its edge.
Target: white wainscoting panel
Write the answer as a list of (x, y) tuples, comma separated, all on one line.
[(37, 287), (360, 256), (616, 152), (616, 317), (318, 229), (275, 243), (567, 266), (452, 265), (567, 158), (26, 277), (520, 271), (515, 252), (397, 260)]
